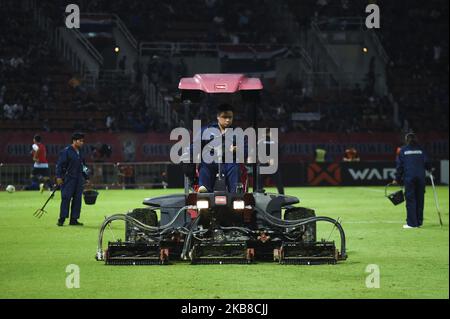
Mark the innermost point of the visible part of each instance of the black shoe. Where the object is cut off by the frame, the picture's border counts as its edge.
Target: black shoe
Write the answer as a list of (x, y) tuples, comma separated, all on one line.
[(60, 222), (75, 223)]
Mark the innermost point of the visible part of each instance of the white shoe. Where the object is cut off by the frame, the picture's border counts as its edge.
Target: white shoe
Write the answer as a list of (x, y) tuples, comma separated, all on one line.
[(202, 189), (406, 226)]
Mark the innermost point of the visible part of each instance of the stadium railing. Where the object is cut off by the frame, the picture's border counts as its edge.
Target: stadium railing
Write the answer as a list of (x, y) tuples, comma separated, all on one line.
[(71, 44), (155, 100)]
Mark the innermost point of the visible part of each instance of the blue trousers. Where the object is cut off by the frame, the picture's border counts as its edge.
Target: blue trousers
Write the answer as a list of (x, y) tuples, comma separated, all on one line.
[(208, 172), (276, 178), (414, 194), (71, 193)]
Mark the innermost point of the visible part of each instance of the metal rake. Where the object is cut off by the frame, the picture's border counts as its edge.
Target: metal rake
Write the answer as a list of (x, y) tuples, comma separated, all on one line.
[(41, 211)]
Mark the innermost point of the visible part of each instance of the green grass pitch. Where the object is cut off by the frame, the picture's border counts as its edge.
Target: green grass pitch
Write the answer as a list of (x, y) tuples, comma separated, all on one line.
[(412, 263)]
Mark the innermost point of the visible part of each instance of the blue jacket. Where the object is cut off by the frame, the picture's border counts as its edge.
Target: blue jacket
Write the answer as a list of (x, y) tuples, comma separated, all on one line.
[(411, 163), (70, 164), (204, 142)]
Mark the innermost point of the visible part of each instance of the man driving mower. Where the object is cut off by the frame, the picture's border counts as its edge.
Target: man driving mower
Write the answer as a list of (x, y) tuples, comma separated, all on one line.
[(208, 172)]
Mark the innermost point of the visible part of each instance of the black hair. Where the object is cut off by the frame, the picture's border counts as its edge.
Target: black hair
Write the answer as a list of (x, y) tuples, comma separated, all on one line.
[(411, 139), (225, 107), (37, 138), (77, 136)]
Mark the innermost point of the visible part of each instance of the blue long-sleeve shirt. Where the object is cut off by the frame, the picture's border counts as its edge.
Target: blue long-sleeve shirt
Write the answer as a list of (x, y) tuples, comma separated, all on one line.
[(70, 164), (204, 142), (412, 162)]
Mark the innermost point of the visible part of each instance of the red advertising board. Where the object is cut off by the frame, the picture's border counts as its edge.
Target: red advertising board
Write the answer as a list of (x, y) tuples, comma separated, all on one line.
[(153, 147)]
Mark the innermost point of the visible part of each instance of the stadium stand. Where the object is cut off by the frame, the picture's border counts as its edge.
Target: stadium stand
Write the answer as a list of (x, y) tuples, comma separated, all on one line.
[(41, 91)]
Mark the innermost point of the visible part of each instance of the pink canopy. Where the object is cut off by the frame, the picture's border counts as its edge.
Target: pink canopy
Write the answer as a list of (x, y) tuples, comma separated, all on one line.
[(220, 83)]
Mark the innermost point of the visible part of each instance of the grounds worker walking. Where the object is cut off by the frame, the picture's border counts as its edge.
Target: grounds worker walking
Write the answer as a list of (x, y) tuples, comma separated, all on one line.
[(411, 165), (71, 174), (266, 142)]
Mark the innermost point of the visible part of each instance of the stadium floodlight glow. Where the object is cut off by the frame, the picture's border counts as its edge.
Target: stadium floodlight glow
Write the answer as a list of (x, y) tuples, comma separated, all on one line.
[(202, 204), (238, 204), (220, 200)]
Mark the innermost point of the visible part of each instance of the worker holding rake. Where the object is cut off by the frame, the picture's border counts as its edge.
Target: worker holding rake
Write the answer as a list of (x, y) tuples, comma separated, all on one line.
[(71, 175), (412, 163)]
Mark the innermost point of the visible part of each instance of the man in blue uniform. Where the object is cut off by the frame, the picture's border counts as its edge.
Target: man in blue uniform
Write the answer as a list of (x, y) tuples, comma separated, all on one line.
[(412, 164), (265, 143), (71, 175), (209, 171)]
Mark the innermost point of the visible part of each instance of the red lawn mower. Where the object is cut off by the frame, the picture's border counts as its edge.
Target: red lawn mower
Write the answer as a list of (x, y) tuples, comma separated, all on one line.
[(221, 227)]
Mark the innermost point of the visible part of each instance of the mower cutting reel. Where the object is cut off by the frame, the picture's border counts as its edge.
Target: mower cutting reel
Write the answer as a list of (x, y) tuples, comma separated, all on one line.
[(221, 253), (130, 253)]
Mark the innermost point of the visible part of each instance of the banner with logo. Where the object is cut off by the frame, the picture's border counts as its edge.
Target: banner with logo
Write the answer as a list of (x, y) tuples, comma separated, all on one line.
[(355, 174), (328, 174), (368, 173), (15, 147), (306, 116), (99, 147)]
